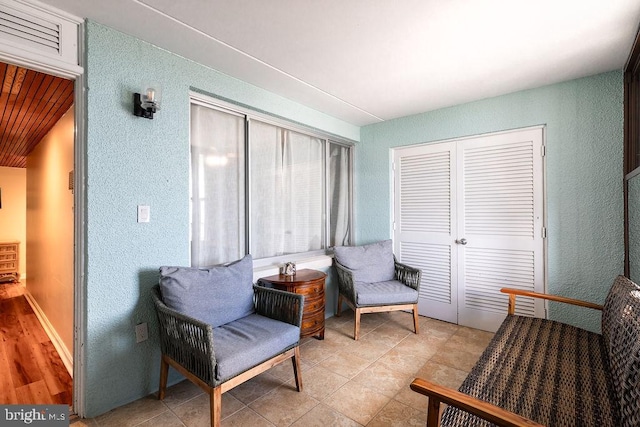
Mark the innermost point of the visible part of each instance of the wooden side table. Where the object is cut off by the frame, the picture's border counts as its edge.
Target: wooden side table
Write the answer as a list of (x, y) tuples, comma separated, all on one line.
[(309, 283)]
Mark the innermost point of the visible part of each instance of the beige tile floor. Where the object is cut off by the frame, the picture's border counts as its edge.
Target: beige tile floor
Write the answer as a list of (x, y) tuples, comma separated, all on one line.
[(346, 382)]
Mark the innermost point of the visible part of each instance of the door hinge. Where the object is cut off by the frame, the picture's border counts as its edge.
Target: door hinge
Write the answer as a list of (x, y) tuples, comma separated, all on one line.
[(544, 232), (543, 150), (394, 226), (393, 166)]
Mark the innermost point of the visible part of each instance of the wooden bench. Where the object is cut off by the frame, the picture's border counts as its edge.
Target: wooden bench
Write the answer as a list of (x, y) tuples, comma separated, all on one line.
[(542, 372)]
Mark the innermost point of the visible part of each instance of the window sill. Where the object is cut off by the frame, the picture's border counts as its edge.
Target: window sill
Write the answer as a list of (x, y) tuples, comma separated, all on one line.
[(315, 262)]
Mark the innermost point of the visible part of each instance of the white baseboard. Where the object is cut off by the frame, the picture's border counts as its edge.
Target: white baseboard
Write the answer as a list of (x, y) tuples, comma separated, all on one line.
[(62, 349)]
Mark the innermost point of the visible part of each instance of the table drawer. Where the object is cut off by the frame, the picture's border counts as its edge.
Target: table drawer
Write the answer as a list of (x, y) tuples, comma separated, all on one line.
[(309, 283), (8, 247), (310, 288), (312, 323), (313, 304)]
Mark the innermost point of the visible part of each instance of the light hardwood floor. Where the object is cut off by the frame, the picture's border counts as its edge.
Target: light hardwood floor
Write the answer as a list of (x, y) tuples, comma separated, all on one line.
[(32, 371)]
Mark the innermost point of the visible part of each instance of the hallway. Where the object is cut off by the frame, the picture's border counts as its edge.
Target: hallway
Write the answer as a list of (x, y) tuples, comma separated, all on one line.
[(32, 370)]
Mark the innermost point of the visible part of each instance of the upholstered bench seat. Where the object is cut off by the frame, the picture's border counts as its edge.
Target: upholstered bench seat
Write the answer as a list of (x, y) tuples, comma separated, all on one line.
[(245, 342)]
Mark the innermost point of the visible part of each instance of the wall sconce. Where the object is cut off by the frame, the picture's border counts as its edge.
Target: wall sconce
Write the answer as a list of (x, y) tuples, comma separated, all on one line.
[(146, 104)]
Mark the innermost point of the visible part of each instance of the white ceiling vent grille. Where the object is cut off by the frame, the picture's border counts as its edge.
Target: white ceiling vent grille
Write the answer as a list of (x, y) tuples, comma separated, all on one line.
[(25, 29), (35, 32)]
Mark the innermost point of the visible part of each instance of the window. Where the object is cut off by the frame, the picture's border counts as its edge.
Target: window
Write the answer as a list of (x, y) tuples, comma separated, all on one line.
[(264, 187), (632, 109), (631, 153)]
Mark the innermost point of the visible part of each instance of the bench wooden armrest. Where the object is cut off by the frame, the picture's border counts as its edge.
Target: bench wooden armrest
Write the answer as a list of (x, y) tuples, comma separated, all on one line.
[(513, 292), (438, 394)]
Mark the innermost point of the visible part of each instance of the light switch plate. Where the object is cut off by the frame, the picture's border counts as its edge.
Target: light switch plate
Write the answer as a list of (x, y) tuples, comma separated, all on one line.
[(144, 213)]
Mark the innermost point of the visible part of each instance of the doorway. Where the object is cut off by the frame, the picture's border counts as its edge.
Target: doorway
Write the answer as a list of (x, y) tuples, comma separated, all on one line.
[(37, 148), (470, 214)]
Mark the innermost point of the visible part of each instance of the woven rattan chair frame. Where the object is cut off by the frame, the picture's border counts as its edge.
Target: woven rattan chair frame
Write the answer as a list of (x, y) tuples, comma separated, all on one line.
[(347, 293), (187, 345)]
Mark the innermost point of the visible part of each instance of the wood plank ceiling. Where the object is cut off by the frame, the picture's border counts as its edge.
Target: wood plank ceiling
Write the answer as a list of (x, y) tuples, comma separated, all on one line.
[(30, 104)]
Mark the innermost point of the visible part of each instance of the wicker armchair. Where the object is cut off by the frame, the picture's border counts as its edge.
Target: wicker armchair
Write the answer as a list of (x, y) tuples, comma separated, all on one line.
[(215, 358), (398, 291)]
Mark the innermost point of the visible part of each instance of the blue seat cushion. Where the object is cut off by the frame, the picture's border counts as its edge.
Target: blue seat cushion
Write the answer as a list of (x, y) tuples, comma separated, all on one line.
[(369, 263), (215, 295), (385, 293), (249, 341)]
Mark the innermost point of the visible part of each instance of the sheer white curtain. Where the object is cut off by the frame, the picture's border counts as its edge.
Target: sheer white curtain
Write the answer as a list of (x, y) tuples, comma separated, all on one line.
[(287, 188), (217, 186), (287, 194), (339, 195)]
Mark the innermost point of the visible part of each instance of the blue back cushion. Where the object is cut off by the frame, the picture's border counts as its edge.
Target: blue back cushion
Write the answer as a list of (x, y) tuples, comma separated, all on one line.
[(369, 263), (216, 295)]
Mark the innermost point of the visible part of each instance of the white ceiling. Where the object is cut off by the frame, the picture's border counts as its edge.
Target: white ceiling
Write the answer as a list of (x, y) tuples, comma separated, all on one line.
[(366, 61)]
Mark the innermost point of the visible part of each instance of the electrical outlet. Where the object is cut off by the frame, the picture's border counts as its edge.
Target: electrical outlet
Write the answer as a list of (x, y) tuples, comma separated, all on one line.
[(142, 332)]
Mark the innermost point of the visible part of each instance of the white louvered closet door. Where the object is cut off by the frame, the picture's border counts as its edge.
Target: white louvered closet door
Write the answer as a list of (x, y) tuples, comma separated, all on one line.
[(469, 214), (425, 206), (500, 216)]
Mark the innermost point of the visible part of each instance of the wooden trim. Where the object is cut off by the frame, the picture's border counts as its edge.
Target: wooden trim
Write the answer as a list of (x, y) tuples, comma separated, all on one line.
[(433, 411), (188, 375), (633, 61), (513, 292), (631, 113), (512, 304), (627, 256), (235, 381), (384, 308), (339, 305), (215, 393), (438, 394), (164, 375), (297, 369), (376, 309), (257, 370), (631, 155), (215, 406)]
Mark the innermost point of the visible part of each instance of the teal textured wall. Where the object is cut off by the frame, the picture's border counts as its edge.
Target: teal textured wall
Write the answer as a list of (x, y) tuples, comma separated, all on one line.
[(584, 137), (132, 161)]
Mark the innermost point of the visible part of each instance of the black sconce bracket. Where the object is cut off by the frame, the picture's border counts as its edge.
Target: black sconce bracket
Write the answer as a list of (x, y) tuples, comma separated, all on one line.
[(139, 110)]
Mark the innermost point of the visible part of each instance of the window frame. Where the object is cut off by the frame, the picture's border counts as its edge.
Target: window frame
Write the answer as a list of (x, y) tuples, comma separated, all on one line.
[(328, 138), (631, 124)]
